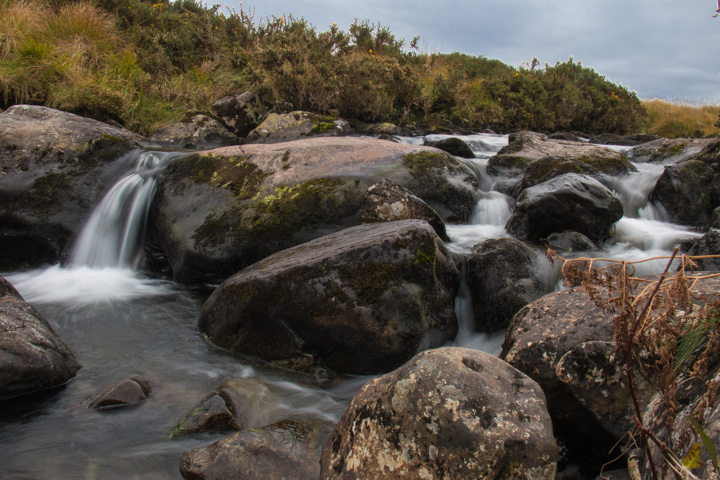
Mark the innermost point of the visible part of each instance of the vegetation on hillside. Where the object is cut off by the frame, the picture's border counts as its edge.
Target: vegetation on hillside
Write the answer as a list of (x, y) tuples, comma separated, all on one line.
[(147, 65), (669, 119)]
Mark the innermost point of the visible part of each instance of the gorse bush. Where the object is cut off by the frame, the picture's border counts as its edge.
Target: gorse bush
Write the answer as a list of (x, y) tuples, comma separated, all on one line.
[(147, 63)]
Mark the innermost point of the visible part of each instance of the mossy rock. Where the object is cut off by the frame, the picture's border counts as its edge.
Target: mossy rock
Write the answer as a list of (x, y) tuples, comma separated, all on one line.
[(546, 168), (361, 300), (284, 127), (222, 210), (53, 167), (688, 192)]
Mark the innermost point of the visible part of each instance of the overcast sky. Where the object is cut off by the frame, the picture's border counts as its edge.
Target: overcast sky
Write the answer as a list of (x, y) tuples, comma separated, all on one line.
[(661, 48)]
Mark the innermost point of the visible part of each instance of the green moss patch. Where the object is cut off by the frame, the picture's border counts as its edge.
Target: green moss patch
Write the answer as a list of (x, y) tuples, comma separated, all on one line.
[(237, 174)]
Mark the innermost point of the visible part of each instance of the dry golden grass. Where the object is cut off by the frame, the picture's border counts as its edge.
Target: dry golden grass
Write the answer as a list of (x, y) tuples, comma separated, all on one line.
[(669, 119)]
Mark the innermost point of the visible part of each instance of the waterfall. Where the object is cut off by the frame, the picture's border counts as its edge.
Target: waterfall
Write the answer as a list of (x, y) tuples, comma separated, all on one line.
[(113, 235)]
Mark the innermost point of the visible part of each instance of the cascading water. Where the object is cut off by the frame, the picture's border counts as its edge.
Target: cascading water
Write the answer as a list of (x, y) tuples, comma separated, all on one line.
[(112, 237)]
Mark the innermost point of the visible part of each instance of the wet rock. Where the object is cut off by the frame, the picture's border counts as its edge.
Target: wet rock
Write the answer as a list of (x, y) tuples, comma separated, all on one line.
[(504, 277), (454, 146), (668, 151), (569, 241), (284, 127), (32, 357), (237, 404), (558, 157), (131, 391), (387, 128), (447, 413), (239, 113), (53, 167), (708, 244), (689, 192), (361, 300), (283, 450), (597, 377), (569, 202), (200, 132), (387, 201), (222, 210), (537, 339)]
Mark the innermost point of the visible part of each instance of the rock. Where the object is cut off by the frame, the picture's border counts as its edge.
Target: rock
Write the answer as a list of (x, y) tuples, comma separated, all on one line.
[(387, 128), (447, 413), (284, 127), (387, 201), (357, 301), (454, 146), (558, 156), (708, 244), (572, 137), (32, 357), (53, 167), (626, 140), (668, 151), (200, 132), (597, 378), (615, 475), (569, 241), (224, 209), (237, 404), (689, 192), (284, 450), (504, 277), (239, 113), (546, 168), (569, 202), (131, 391)]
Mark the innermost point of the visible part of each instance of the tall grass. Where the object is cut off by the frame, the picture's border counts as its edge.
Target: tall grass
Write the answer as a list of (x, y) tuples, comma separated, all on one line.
[(669, 119), (148, 63)]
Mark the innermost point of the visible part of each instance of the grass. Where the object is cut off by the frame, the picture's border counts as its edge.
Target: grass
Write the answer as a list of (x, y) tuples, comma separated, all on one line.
[(147, 64), (670, 119)]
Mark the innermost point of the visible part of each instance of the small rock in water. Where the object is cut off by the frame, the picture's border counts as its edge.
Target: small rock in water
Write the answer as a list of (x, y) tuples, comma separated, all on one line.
[(130, 391)]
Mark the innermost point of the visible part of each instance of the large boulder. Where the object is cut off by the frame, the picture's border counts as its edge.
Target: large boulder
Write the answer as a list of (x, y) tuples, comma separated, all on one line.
[(504, 276), (239, 113), (689, 192), (569, 202), (447, 413), (669, 151), (708, 244), (558, 157), (199, 132), (32, 357), (357, 301), (454, 146), (220, 211), (53, 167), (285, 127), (387, 201), (285, 450)]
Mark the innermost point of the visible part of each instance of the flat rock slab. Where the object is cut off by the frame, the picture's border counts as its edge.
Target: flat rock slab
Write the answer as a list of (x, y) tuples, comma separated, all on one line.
[(32, 357), (361, 300)]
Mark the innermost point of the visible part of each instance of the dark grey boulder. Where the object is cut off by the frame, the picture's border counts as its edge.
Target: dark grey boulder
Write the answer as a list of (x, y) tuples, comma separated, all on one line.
[(504, 276), (222, 210), (32, 357), (53, 167), (285, 450), (387, 201), (708, 244), (239, 113), (357, 301), (568, 202), (447, 413), (689, 192), (569, 241), (669, 151), (454, 146), (200, 132), (125, 393)]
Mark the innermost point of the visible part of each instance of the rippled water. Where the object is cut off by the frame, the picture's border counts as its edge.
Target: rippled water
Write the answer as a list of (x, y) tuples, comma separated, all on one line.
[(120, 324)]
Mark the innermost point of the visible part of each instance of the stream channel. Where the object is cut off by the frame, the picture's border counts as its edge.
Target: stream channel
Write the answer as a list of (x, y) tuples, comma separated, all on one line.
[(120, 323)]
